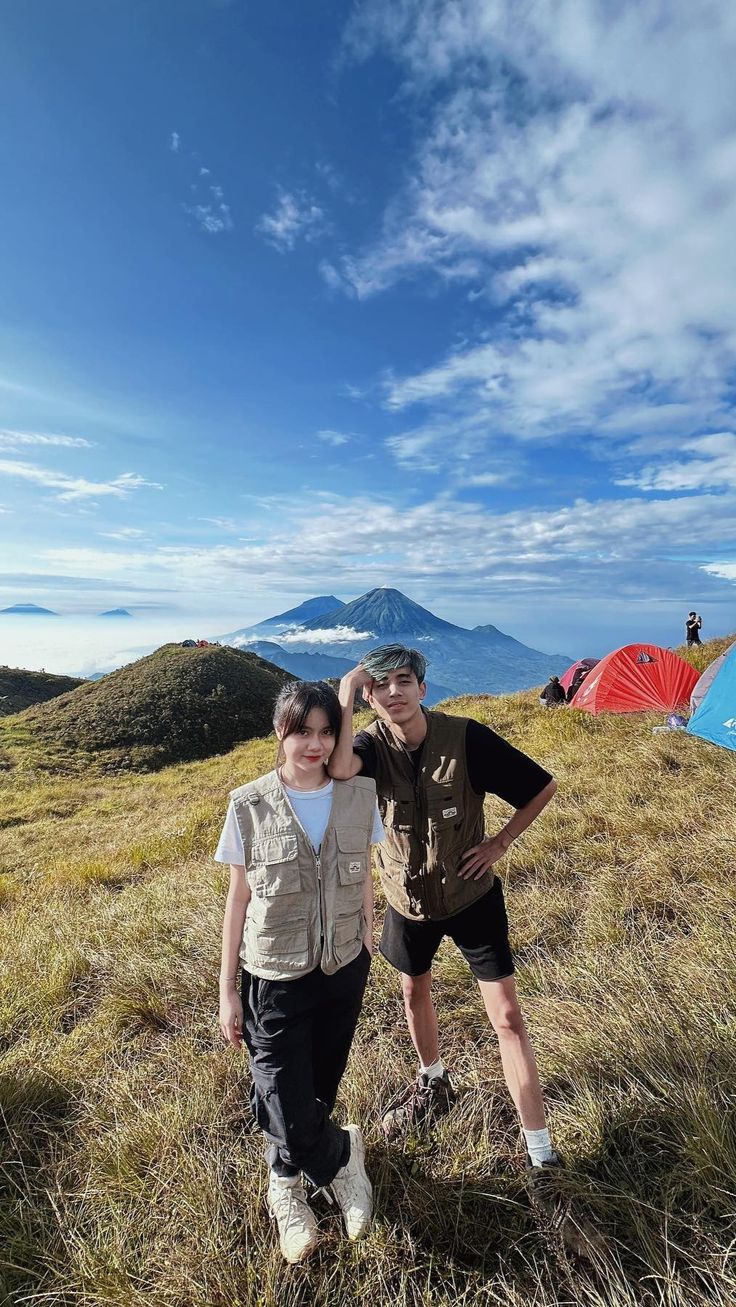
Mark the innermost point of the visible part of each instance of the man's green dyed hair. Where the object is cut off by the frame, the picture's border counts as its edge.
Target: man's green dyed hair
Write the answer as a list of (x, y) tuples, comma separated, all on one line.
[(390, 657)]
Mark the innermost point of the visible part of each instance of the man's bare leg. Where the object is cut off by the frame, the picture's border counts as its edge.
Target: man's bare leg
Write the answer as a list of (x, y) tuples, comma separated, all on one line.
[(421, 1016), (517, 1056)]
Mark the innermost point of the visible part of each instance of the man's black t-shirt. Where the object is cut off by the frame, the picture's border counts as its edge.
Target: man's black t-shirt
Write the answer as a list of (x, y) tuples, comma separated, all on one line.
[(494, 765)]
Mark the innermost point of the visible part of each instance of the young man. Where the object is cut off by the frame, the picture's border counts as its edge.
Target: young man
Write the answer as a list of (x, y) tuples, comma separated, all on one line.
[(432, 772), (553, 694), (692, 629)]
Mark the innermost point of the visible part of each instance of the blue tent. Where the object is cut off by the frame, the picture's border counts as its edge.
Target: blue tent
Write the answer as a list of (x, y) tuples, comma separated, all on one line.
[(715, 716)]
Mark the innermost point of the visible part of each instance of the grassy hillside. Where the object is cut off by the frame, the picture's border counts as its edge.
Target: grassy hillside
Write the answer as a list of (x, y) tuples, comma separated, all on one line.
[(132, 1174), (172, 705), (20, 689)]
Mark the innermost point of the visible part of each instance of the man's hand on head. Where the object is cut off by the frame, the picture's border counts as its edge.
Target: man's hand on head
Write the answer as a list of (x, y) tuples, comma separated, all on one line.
[(356, 679)]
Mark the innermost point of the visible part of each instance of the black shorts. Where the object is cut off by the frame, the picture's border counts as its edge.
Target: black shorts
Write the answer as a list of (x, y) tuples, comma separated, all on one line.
[(480, 931)]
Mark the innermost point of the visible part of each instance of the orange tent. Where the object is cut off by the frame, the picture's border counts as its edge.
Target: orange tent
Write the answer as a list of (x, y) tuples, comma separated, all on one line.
[(637, 678)]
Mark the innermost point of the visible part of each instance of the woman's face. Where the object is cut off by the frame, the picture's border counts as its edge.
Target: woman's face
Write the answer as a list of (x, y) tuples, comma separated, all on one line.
[(308, 749)]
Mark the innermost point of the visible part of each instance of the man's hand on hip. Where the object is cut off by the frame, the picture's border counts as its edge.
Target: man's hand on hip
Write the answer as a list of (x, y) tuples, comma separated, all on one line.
[(477, 861)]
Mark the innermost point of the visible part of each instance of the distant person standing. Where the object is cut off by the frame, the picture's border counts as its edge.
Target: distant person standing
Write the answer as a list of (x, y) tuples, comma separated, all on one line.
[(553, 693), (692, 629)]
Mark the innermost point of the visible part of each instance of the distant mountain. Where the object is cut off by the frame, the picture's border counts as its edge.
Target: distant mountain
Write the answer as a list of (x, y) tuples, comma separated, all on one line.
[(311, 608), (318, 666), (480, 661), (20, 689), (174, 704), (115, 612), (383, 612), (27, 610)]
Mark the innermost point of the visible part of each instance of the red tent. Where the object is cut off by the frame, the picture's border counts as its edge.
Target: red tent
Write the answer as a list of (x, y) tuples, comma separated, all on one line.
[(587, 663), (637, 678)]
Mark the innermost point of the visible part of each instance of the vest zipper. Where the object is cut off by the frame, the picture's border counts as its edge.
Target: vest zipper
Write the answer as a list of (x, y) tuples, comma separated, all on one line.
[(318, 862)]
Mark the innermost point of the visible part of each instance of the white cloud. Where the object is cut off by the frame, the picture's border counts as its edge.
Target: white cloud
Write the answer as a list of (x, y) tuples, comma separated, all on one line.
[(123, 533), (348, 543), (211, 218), (331, 635), (582, 178), (224, 523), (485, 479), (175, 142), (712, 467), (296, 215), (333, 437), (333, 279), (71, 488), (725, 570), (10, 440)]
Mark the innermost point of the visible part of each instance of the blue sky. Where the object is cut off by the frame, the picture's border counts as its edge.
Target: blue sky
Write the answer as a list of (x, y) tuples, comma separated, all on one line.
[(307, 298)]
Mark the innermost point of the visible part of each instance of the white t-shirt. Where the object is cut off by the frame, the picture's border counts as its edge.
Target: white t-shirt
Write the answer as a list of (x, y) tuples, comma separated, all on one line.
[(312, 808)]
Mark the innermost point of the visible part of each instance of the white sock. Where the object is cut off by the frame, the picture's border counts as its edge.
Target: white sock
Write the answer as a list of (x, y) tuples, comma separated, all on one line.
[(434, 1069), (284, 1181), (538, 1146)]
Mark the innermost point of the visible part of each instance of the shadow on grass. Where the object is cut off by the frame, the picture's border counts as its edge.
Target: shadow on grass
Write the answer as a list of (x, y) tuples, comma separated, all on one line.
[(36, 1110)]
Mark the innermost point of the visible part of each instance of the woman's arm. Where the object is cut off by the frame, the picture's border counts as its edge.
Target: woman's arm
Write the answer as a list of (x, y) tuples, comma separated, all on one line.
[(236, 907)]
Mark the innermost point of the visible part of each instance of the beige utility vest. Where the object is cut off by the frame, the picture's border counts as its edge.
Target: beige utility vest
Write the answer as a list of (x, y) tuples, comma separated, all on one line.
[(432, 817), (306, 909)]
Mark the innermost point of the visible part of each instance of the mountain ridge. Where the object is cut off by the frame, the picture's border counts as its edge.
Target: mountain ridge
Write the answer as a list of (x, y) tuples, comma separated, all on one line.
[(483, 660)]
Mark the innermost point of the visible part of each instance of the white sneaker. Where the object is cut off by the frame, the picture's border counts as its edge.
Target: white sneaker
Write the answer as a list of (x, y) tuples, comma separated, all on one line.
[(287, 1202), (353, 1189)]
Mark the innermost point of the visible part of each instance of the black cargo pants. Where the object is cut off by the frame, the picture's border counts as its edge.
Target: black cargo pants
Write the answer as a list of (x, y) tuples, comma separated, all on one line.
[(298, 1034)]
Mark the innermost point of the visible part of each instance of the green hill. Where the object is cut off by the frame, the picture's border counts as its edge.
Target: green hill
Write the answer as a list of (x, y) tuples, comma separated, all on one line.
[(131, 1171), (172, 705), (20, 689)]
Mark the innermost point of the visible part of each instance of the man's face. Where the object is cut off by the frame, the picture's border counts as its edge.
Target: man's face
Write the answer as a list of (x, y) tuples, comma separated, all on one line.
[(397, 699)]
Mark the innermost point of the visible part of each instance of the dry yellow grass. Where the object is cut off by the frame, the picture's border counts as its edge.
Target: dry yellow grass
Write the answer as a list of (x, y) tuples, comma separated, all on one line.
[(131, 1174)]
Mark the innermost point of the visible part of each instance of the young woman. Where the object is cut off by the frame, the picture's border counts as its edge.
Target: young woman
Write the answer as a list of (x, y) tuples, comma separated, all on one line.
[(299, 915)]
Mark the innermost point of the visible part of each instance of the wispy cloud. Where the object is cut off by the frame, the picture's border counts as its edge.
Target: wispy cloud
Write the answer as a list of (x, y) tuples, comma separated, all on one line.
[(211, 218), (123, 533), (582, 183), (335, 438), (223, 523), (71, 488), (711, 465), (210, 211), (296, 215), (444, 541), (10, 440)]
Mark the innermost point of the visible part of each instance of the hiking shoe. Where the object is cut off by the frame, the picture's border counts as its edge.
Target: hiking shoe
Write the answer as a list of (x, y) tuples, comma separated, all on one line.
[(539, 1174), (287, 1203), (423, 1101), (561, 1212), (353, 1189)]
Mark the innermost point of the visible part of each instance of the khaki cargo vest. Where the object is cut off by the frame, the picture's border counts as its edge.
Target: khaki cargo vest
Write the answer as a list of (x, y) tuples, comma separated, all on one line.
[(306, 910), (431, 819)]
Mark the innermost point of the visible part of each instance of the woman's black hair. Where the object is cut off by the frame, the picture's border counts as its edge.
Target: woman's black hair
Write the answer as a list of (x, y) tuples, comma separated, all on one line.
[(295, 702)]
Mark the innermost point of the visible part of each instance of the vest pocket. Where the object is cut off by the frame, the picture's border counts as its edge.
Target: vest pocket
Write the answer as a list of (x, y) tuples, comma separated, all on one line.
[(445, 809), (352, 856), (275, 866), (399, 814), (286, 949), (347, 931)]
